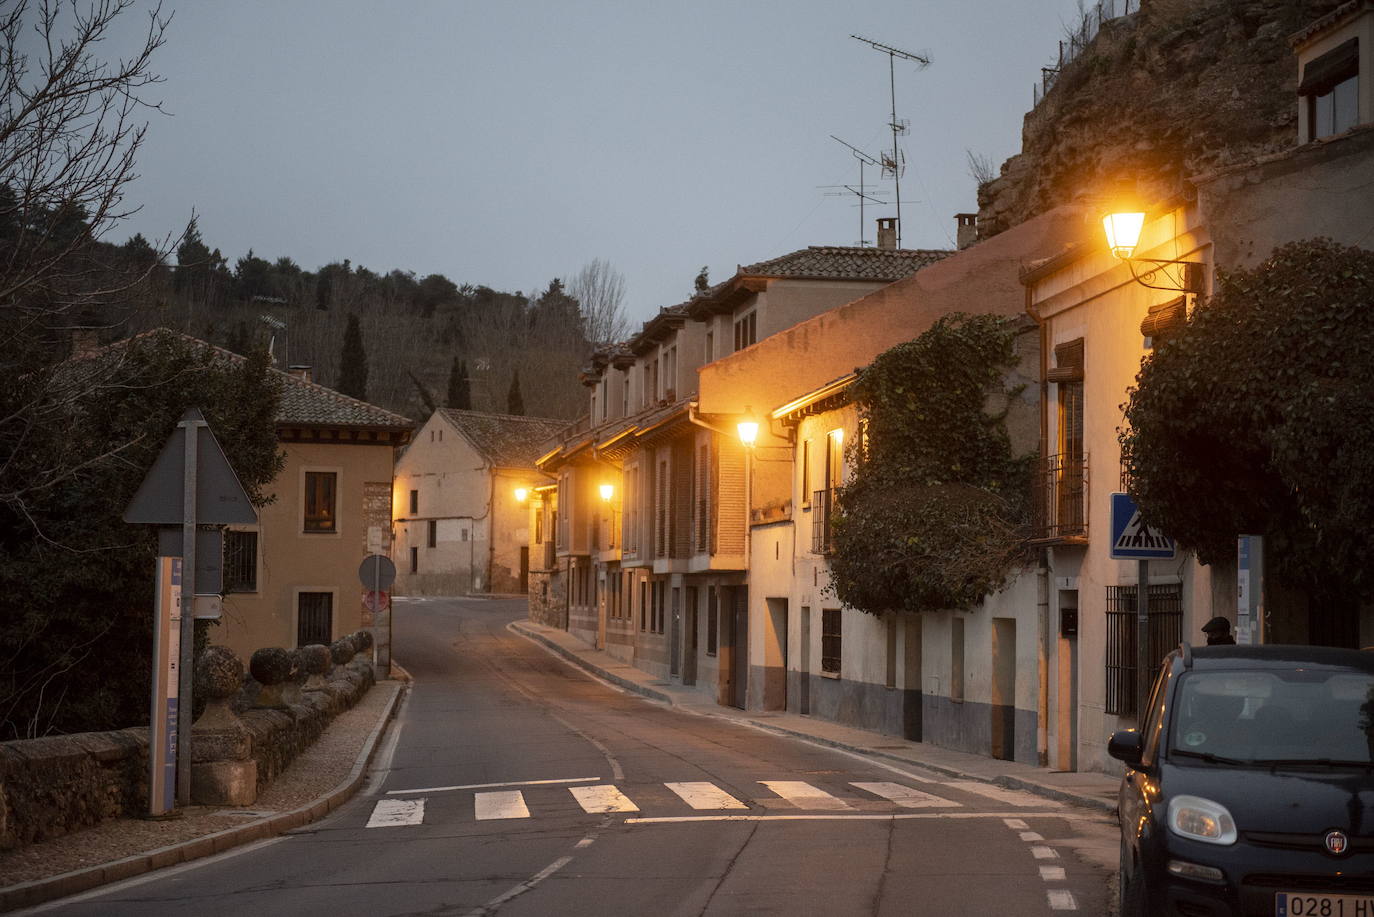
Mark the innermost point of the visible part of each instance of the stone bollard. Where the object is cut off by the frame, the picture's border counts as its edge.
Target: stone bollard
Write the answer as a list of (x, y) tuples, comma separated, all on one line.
[(362, 642), (271, 667), (342, 651), (223, 772), (317, 664)]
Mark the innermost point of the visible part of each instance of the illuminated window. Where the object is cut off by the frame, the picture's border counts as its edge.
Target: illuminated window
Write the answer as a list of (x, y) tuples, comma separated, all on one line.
[(320, 495)]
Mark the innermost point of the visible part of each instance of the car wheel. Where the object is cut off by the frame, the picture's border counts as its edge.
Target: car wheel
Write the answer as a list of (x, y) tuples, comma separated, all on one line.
[(1131, 889)]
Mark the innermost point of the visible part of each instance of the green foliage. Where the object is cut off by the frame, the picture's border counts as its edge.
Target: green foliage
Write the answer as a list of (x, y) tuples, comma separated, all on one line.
[(934, 516), (353, 362), (78, 582), (1256, 419)]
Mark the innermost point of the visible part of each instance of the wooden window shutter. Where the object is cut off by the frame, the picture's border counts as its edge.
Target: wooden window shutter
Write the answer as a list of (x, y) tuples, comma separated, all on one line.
[(1068, 362), (1165, 319)]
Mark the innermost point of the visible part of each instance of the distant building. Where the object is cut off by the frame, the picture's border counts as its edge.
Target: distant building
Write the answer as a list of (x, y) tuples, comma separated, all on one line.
[(460, 526)]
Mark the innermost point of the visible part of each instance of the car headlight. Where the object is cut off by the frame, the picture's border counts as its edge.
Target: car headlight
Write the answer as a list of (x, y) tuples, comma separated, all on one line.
[(1201, 820)]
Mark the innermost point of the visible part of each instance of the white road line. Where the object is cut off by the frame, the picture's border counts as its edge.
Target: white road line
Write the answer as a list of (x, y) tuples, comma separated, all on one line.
[(1052, 873), (1061, 900), (396, 813), (495, 903), (1044, 853), (500, 804), (1016, 824), (603, 798), (703, 795), (854, 816), (905, 796), (1032, 836), (489, 786), (1002, 794), (803, 795)]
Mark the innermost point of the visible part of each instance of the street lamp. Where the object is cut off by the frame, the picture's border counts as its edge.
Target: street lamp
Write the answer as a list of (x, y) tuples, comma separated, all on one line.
[(521, 494), (748, 428), (607, 491), (1123, 236)]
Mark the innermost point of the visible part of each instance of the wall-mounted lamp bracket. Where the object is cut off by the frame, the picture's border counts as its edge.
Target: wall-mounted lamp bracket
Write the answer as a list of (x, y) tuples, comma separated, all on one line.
[(1174, 276)]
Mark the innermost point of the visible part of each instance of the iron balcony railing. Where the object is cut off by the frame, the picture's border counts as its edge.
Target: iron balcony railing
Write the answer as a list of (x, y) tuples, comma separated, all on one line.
[(1165, 614), (822, 532), (1061, 498)]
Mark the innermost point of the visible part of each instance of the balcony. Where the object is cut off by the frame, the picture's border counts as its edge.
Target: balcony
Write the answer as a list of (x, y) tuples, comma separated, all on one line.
[(1061, 500), (822, 532)]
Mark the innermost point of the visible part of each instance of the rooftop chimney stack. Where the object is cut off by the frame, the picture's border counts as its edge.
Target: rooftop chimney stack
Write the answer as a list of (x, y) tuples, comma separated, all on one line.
[(968, 229), (887, 233), (302, 371)]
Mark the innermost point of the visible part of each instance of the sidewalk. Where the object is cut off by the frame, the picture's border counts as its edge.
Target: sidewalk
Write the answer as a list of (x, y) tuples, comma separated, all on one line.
[(321, 779), (1094, 791)]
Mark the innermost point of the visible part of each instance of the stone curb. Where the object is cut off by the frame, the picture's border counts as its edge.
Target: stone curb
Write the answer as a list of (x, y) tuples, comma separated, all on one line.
[(28, 894), (1005, 780)]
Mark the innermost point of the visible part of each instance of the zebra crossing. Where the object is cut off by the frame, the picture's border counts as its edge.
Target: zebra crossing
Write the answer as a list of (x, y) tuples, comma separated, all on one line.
[(502, 802)]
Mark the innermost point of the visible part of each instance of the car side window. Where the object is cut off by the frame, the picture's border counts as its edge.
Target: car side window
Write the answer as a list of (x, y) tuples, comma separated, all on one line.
[(1154, 719)]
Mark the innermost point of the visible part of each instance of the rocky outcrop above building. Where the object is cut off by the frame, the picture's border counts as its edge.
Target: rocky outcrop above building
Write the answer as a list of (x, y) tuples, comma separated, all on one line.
[(1178, 88)]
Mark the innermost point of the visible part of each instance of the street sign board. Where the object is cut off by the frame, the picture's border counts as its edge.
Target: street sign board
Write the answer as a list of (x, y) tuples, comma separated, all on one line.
[(1132, 538), (220, 498), (374, 600), (377, 572), (209, 555)]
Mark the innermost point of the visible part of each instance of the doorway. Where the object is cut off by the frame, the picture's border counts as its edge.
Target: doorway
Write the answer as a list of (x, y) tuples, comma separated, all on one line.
[(689, 624), (675, 634), (775, 655), (1004, 688), (1066, 706), (739, 646)]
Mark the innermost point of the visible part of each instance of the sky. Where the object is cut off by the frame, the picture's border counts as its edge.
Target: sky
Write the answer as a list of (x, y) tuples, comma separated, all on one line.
[(508, 143)]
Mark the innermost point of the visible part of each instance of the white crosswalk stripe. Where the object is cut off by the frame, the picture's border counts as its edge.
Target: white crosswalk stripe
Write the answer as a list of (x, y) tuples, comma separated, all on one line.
[(601, 799), (501, 804), (905, 796), (704, 795), (1018, 798), (396, 813), (803, 795)]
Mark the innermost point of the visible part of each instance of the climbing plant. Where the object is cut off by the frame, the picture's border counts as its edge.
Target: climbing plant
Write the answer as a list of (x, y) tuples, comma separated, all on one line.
[(934, 516), (1256, 418)]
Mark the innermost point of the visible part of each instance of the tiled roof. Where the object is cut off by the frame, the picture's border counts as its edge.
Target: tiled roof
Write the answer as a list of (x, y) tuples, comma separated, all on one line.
[(506, 440), (847, 263), (302, 403)]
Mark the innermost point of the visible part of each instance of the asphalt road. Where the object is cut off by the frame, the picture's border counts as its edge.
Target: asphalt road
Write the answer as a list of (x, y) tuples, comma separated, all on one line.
[(511, 783)]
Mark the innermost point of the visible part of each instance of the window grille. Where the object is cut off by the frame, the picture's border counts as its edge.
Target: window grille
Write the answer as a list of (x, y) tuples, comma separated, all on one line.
[(240, 561), (1165, 630), (822, 532), (315, 618), (830, 640)]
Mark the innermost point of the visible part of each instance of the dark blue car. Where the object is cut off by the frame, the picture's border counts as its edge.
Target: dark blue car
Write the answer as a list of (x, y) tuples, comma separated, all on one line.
[(1249, 789)]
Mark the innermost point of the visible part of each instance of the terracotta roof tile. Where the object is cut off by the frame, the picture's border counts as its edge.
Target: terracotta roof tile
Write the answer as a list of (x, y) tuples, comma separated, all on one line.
[(506, 440)]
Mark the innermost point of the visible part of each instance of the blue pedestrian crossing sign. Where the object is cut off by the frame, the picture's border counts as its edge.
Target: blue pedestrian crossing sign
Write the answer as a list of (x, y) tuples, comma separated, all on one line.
[(1132, 539)]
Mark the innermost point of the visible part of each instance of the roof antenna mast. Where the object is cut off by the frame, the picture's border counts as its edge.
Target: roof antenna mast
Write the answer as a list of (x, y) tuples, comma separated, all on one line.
[(898, 127), (861, 192)]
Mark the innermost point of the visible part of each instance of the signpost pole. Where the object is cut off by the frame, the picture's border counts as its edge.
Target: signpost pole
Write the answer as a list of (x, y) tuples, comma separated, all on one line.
[(1143, 663), (186, 662)]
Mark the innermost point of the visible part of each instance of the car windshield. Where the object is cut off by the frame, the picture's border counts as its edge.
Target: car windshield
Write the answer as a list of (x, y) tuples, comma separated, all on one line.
[(1278, 717)]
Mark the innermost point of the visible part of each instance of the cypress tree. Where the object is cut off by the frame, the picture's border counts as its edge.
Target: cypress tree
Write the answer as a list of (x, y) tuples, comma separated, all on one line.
[(514, 403), (353, 362), (459, 395)]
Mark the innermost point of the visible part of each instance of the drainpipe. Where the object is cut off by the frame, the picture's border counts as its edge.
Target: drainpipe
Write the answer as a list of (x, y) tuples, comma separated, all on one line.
[(1042, 565)]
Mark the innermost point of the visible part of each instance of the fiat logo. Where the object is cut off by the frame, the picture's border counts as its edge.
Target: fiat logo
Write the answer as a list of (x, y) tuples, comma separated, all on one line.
[(1337, 842)]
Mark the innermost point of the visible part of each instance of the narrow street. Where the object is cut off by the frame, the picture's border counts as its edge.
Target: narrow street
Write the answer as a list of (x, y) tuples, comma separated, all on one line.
[(513, 783)]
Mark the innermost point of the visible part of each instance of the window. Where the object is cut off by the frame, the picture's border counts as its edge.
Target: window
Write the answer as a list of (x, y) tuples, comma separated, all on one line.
[(746, 330), (712, 621), (644, 605), (1330, 90), (414, 560), (414, 502), (320, 495), (830, 640), (432, 535), (314, 618), (240, 561), (539, 526), (710, 346), (805, 473), (1060, 489), (1165, 630)]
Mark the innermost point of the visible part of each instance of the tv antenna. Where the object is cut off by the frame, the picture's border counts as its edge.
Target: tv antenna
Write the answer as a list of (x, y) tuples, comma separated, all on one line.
[(861, 192), (898, 162)]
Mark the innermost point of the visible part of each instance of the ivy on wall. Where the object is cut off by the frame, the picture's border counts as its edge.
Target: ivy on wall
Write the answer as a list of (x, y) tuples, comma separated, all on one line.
[(934, 516), (1258, 418)]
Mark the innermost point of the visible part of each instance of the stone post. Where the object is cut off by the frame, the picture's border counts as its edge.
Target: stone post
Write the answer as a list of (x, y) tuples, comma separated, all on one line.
[(223, 772), (317, 664), (270, 667)]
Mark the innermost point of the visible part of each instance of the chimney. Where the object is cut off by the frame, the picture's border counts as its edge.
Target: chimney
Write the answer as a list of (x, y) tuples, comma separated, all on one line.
[(302, 371), (968, 229), (887, 233)]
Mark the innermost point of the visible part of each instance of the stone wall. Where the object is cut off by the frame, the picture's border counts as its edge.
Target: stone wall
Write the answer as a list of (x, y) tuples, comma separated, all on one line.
[(547, 601), (1179, 88), (59, 784)]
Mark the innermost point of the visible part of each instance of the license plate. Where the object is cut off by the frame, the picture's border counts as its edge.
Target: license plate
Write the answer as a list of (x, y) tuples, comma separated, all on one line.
[(1292, 904)]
